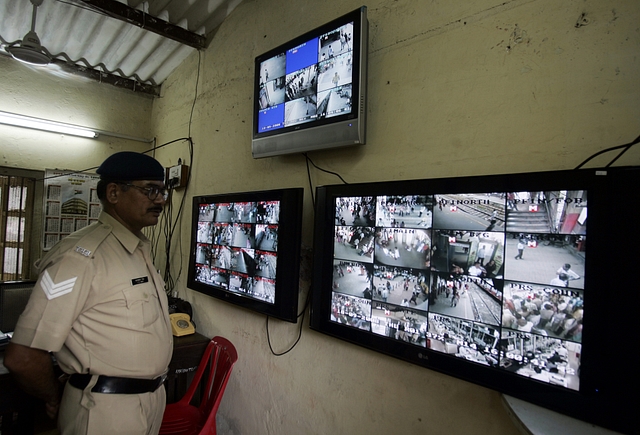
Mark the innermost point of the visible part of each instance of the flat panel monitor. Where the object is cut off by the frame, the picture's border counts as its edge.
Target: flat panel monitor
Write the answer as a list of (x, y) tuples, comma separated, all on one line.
[(310, 93), (14, 296), (523, 283), (245, 249)]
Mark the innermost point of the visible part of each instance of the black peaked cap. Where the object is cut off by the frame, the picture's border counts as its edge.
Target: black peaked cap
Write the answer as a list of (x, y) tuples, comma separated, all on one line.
[(129, 165)]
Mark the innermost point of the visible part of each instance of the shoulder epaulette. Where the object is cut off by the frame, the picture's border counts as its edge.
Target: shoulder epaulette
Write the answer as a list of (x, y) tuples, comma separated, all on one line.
[(84, 243), (88, 244)]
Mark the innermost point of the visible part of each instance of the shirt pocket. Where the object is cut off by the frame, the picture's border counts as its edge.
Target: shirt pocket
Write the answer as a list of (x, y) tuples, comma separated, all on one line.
[(142, 304)]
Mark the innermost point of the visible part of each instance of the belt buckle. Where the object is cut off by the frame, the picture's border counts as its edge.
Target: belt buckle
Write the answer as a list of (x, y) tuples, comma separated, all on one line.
[(161, 380)]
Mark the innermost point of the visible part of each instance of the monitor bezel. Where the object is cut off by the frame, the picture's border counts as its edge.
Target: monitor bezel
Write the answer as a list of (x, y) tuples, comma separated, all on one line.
[(285, 306), (338, 131), (599, 396)]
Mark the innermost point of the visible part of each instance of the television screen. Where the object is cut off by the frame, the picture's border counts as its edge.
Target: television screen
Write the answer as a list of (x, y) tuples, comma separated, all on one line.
[(245, 249), (508, 281), (310, 92)]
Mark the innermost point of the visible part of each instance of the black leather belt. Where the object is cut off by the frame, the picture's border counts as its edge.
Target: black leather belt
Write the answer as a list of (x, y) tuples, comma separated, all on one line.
[(115, 385)]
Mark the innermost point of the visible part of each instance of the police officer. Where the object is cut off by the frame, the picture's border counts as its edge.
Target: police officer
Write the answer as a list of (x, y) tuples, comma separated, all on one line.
[(100, 307)]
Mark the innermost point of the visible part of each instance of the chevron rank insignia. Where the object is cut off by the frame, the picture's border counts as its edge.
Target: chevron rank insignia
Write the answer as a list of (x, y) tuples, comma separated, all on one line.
[(53, 290)]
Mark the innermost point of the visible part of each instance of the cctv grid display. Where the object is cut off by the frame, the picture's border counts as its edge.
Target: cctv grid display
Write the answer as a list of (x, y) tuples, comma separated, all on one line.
[(237, 247), (495, 278), (310, 82)]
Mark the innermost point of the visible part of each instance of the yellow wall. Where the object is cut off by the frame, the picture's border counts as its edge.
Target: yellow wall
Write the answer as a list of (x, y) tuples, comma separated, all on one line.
[(57, 96), (455, 88)]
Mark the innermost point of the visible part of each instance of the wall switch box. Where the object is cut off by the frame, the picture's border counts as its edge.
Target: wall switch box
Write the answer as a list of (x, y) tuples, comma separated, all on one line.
[(177, 176)]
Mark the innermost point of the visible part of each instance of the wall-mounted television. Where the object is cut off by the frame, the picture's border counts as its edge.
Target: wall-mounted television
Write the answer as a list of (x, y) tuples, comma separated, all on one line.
[(310, 93), (523, 283), (245, 249)]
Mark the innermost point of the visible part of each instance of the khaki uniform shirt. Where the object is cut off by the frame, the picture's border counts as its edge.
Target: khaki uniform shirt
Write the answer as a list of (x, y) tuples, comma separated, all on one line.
[(100, 305)]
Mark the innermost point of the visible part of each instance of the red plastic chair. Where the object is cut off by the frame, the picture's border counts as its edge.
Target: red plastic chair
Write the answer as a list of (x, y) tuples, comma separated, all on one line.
[(182, 418)]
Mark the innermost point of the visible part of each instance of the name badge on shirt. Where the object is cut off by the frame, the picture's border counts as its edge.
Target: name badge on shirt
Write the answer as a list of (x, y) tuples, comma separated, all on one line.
[(142, 280)]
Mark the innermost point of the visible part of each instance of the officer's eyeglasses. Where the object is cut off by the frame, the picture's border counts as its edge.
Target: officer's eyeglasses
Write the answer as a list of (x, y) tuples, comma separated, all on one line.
[(152, 192)]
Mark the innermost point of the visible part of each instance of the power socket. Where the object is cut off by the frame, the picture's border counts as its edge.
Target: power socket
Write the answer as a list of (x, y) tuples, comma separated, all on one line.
[(177, 176)]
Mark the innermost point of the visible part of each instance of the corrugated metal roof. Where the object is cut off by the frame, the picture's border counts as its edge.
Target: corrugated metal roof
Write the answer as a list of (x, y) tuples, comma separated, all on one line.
[(143, 41)]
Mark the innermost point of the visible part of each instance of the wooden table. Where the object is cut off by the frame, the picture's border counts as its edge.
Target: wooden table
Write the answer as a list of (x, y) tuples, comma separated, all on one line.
[(187, 352)]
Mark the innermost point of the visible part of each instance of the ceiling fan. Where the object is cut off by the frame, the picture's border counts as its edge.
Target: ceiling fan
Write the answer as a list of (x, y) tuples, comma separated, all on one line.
[(29, 50)]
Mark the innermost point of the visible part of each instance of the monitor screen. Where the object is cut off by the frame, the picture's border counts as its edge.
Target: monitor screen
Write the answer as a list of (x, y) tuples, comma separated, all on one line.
[(245, 249), (310, 92), (499, 280)]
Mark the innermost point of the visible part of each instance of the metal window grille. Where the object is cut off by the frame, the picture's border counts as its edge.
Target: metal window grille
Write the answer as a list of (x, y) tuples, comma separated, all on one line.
[(16, 222)]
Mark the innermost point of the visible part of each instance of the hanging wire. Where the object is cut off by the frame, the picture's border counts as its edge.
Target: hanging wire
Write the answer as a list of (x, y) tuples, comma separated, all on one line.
[(171, 224), (323, 170), (625, 148), (301, 315)]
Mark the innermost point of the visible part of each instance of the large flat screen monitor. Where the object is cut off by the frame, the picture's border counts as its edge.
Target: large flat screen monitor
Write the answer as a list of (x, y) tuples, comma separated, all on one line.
[(523, 283), (245, 249), (310, 93)]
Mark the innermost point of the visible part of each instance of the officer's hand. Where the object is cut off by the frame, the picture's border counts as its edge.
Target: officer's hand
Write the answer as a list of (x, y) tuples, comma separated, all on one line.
[(52, 409)]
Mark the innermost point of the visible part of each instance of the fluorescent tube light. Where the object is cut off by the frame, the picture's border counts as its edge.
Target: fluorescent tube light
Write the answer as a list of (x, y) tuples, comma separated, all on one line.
[(43, 124)]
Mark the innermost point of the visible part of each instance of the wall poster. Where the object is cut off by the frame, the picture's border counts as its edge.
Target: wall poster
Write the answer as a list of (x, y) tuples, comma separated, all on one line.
[(70, 203)]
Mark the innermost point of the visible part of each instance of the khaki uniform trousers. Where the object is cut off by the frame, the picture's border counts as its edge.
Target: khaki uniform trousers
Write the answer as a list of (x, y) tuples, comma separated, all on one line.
[(88, 413)]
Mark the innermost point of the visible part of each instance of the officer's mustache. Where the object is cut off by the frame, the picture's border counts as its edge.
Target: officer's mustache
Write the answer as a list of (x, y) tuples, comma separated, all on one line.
[(157, 208)]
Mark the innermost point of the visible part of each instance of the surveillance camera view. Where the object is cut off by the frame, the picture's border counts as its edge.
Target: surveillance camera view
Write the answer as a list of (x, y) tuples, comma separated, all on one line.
[(494, 278), (309, 82), (237, 245)]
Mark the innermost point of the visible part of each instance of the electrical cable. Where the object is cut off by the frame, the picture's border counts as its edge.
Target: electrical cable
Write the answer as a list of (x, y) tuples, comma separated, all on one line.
[(171, 224), (301, 315), (93, 168), (625, 148), (313, 199), (172, 229), (324, 170)]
